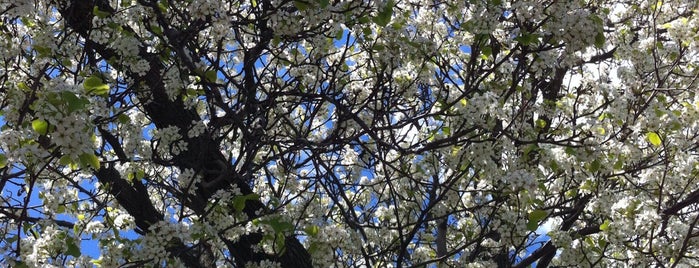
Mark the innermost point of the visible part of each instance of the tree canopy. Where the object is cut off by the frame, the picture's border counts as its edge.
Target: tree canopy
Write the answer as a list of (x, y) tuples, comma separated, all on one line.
[(319, 133)]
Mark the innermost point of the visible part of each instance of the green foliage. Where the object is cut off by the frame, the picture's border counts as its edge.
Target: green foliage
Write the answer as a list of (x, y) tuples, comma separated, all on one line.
[(363, 124), (94, 85), (383, 17), (89, 160), (40, 126), (239, 201), (301, 5), (312, 230), (535, 217), (99, 13), (211, 76), (653, 138), (73, 102), (527, 39)]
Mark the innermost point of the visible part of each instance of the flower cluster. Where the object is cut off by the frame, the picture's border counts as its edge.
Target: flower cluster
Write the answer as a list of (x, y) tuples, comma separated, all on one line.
[(375, 133), (170, 142)]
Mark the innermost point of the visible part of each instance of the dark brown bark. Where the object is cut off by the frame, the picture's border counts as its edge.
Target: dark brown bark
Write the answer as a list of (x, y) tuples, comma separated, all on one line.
[(203, 155)]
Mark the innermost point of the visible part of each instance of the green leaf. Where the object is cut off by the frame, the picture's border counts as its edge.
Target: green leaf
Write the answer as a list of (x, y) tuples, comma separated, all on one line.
[(65, 160), (254, 3), (313, 247), (28, 22), (280, 243), (594, 166), (301, 5), (276, 40), (123, 118), (589, 242), (534, 218), (530, 151), (675, 126), (553, 165), (23, 86), (99, 13), (73, 249), (384, 16), (587, 186), (280, 226), (601, 130), (323, 3), (74, 102), (537, 215), (43, 51), (487, 51), (446, 131), (11, 239), (30, 229), (239, 201), (163, 5), (3, 160), (95, 85), (363, 20), (532, 225), (339, 34), (604, 226), (540, 123), (312, 230), (602, 242), (619, 164), (157, 30), (89, 159), (527, 39), (600, 40), (653, 138), (40, 126), (211, 76), (571, 193)]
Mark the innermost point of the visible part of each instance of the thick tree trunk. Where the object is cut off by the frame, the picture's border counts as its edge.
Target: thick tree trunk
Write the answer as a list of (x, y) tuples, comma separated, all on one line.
[(203, 155)]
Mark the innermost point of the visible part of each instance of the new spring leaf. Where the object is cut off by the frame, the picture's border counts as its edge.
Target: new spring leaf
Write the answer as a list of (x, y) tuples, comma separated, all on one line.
[(653, 138), (95, 85)]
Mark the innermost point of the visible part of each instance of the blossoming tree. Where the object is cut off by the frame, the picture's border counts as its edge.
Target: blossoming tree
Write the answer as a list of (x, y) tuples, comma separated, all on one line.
[(284, 133)]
